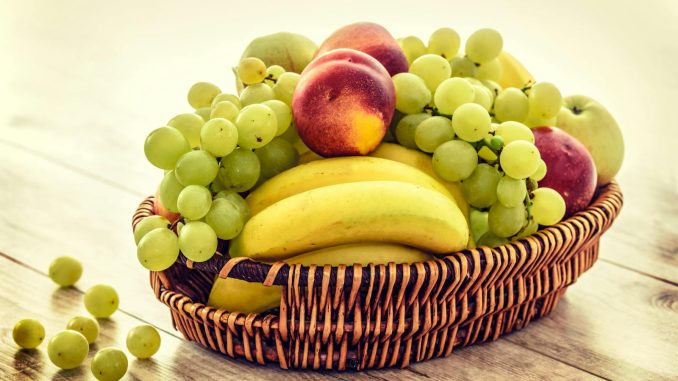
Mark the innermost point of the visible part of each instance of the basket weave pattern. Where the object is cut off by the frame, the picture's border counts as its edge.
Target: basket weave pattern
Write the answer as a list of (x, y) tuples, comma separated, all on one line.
[(362, 317)]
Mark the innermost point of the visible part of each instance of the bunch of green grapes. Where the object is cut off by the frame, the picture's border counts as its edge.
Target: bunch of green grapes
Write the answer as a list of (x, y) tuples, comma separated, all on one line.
[(227, 146), (450, 105)]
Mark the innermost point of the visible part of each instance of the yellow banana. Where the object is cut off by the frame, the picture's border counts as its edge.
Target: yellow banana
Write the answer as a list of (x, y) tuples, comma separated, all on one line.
[(332, 171), (242, 296), (374, 211), (514, 73)]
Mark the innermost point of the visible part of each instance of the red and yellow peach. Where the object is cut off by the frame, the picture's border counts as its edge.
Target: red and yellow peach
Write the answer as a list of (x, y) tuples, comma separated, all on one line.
[(343, 103)]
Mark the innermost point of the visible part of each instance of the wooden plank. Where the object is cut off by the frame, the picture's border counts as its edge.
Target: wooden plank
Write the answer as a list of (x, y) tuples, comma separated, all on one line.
[(33, 295), (614, 323)]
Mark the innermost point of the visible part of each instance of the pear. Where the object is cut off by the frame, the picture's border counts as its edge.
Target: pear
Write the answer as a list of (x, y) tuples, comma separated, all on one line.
[(289, 50), (590, 123)]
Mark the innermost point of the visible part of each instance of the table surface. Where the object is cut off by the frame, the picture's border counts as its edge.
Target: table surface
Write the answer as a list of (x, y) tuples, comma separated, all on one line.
[(83, 82)]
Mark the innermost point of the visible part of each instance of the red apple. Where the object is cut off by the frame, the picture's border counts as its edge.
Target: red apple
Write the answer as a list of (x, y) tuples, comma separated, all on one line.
[(159, 209), (343, 103), (369, 38), (570, 168)]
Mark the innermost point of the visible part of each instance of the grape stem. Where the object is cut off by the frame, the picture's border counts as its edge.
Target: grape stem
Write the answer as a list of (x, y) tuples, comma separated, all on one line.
[(527, 86)]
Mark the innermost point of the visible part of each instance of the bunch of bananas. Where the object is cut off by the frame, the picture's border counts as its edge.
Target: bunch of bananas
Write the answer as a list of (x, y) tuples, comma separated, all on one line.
[(346, 210)]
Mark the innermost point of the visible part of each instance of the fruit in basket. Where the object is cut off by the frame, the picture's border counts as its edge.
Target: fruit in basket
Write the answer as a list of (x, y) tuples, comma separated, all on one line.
[(219, 136), (381, 211), (87, 326), (65, 271), (159, 207), (590, 123), (343, 103), (109, 364), (28, 333), (158, 249), (369, 38), (544, 101), (292, 51), (198, 241), (201, 95), (548, 206), (513, 73), (334, 171), (225, 218), (194, 202), (571, 170), (67, 349), (484, 45), (189, 124), (257, 125), (101, 300), (238, 295), (240, 170), (251, 70)]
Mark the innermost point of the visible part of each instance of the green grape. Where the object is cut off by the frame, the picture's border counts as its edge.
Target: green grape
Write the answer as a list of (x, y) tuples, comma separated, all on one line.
[(505, 221), (541, 171), (219, 137), (216, 186), (489, 239), (277, 156), (147, 224), (284, 88), (462, 67), (482, 96), (487, 154), (496, 143), (240, 170), (291, 134), (158, 250), (225, 218), (257, 93), (511, 131), (412, 95), (86, 325), (224, 97), (529, 229), (237, 200), (454, 160), (196, 167), (432, 68), (274, 72), (491, 70), (544, 100), (198, 241), (225, 109), (510, 105), (519, 159), (164, 146), (480, 189), (257, 125), (413, 47), (473, 81), (511, 192), (283, 114), (251, 70), (109, 364), (143, 341), (204, 112), (493, 86), (444, 42), (548, 206), (194, 201), (478, 223), (65, 271), (189, 124), (67, 349), (169, 191), (484, 45), (452, 93), (432, 132), (28, 333), (407, 127), (471, 122), (201, 94), (101, 300)]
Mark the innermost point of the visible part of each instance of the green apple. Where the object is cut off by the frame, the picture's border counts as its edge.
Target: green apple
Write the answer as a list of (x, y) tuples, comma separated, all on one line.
[(289, 50), (590, 123)]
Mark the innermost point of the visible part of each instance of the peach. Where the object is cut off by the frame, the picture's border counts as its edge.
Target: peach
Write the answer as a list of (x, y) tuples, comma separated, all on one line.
[(343, 103), (161, 210), (369, 38)]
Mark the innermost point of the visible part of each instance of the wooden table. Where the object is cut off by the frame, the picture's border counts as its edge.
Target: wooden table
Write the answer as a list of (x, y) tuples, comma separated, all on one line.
[(83, 82)]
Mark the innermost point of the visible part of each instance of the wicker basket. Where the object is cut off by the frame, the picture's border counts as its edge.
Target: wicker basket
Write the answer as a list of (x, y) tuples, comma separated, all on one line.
[(363, 317)]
